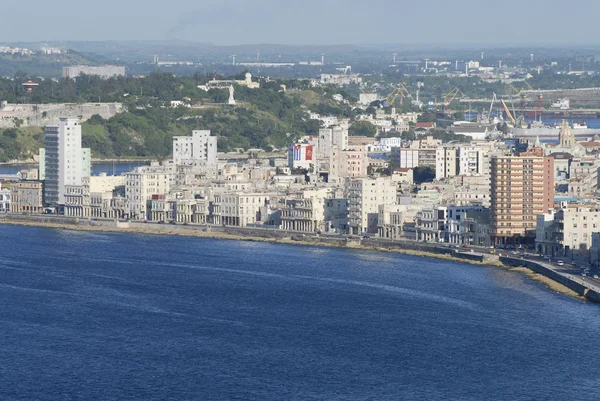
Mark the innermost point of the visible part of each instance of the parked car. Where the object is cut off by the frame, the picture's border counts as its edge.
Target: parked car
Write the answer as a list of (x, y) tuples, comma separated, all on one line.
[(560, 263)]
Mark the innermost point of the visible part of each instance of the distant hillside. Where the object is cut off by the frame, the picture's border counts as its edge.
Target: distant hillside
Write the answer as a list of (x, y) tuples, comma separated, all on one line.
[(46, 65), (266, 118)]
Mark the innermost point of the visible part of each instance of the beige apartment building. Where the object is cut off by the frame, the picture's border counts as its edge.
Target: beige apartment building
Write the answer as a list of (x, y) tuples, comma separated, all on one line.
[(566, 230), (365, 195), (26, 197), (349, 163), (140, 185), (106, 183), (242, 209), (521, 188), (305, 211)]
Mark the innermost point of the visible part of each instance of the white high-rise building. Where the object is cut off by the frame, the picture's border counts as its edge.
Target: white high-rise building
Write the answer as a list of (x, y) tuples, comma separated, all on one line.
[(330, 137), (199, 148), (65, 161), (462, 159), (103, 71)]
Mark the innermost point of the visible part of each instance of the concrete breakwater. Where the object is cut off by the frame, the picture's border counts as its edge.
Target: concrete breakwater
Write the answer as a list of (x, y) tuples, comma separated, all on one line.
[(577, 285)]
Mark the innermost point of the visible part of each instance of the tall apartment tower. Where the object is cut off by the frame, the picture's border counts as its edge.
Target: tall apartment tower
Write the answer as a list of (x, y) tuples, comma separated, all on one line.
[(521, 188), (200, 147), (65, 161), (334, 136)]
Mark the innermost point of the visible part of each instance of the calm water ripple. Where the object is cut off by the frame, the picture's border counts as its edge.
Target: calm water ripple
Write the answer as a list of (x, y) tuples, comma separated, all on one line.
[(95, 316)]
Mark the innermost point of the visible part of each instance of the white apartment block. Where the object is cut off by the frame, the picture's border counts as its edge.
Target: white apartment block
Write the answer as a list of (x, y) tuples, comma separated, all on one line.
[(568, 229), (446, 163), (198, 149), (4, 200), (42, 164), (456, 160), (329, 137), (385, 145), (141, 184), (103, 71), (328, 121), (409, 117), (242, 209), (404, 157), (365, 195), (65, 161), (340, 79)]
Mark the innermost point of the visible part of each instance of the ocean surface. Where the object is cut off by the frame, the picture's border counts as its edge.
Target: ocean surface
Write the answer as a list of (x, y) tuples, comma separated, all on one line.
[(103, 316)]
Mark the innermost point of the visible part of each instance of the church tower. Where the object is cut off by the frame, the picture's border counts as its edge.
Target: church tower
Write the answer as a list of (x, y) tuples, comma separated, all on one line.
[(566, 136)]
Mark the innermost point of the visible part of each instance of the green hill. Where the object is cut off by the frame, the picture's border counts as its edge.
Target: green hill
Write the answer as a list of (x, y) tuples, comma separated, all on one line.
[(267, 117)]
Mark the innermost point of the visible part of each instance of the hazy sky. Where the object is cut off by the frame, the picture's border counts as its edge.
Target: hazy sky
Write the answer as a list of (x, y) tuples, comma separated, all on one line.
[(227, 22)]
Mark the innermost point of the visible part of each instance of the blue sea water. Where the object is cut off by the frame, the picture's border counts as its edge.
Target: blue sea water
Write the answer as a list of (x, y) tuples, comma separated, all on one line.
[(111, 316)]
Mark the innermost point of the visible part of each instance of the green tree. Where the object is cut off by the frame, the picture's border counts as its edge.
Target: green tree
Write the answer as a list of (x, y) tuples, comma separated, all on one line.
[(423, 174), (427, 117), (362, 128), (409, 135), (458, 115)]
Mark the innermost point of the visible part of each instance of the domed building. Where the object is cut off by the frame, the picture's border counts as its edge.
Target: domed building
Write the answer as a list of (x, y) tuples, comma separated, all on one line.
[(566, 142)]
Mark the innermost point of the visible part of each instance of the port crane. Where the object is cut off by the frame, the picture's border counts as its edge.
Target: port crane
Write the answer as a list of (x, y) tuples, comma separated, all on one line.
[(487, 118), (450, 96), (508, 113), (399, 91)]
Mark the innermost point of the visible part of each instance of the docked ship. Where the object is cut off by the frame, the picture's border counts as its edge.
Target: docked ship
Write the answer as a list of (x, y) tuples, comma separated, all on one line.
[(538, 129)]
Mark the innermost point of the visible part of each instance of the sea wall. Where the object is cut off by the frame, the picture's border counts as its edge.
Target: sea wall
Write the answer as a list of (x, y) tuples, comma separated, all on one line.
[(427, 247), (568, 282), (273, 235)]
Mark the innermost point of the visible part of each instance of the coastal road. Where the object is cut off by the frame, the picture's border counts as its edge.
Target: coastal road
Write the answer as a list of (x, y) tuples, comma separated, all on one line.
[(567, 270)]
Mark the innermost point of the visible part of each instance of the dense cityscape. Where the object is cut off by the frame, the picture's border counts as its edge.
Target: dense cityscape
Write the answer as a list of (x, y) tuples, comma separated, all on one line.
[(482, 156), (507, 182)]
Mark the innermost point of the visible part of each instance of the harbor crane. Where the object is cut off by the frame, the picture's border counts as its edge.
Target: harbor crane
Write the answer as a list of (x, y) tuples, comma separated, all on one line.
[(399, 91), (508, 113), (486, 118), (450, 96)]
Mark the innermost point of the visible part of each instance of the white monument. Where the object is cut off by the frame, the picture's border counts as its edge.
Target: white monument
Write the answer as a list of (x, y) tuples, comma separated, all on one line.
[(231, 99)]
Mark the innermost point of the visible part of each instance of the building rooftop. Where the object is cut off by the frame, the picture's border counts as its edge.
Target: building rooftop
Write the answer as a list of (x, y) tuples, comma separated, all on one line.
[(562, 155)]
